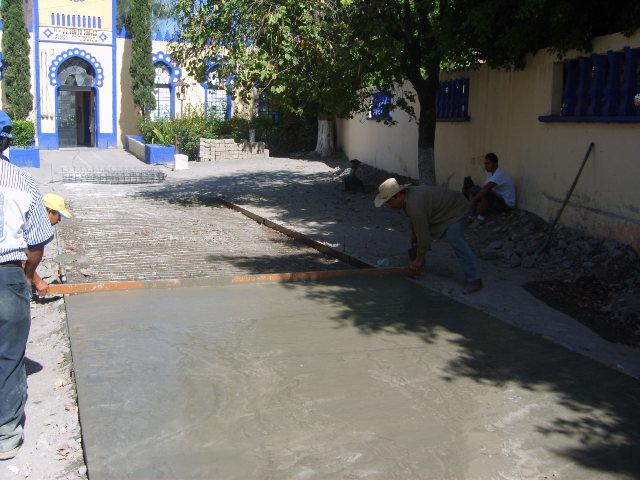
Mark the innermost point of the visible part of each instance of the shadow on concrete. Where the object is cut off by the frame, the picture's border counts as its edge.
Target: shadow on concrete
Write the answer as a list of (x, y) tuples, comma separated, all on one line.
[(271, 188), (493, 353), (32, 366), (604, 402)]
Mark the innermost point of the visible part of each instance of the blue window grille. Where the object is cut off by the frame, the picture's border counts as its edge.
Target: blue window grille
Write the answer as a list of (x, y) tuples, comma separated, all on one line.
[(380, 106), (265, 110), (601, 88), (452, 103)]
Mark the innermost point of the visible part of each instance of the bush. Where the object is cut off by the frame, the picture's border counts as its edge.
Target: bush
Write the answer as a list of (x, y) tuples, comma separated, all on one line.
[(23, 133), (292, 134)]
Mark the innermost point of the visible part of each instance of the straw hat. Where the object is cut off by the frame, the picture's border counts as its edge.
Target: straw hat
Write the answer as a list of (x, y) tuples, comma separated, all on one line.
[(55, 202), (388, 189)]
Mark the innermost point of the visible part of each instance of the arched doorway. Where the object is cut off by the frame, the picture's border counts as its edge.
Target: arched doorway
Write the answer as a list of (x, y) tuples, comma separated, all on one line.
[(76, 119)]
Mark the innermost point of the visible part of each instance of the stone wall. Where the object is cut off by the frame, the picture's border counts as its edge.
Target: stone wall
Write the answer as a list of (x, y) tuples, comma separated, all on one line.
[(215, 150)]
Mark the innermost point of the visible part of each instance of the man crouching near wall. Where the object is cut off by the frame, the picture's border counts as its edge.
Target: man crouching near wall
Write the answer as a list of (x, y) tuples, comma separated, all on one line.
[(435, 212)]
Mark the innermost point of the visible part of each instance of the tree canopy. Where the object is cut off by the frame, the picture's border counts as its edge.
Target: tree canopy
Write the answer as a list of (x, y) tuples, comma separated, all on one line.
[(141, 68), (15, 47), (415, 39), (323, 55), (297, 51)]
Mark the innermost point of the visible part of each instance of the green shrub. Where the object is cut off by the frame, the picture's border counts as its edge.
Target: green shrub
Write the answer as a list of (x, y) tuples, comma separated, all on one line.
[(292, 134), (23, 133)]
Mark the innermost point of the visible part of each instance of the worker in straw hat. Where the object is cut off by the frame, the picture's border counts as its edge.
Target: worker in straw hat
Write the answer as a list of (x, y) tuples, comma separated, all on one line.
[(57, 210), (435, 212)]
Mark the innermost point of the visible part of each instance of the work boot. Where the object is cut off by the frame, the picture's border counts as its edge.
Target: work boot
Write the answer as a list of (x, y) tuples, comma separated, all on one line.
[(11, 453), (473, 287)]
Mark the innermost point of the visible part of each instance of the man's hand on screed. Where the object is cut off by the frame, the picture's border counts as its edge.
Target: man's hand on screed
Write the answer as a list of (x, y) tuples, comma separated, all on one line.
[(42, 287), (417, 265)]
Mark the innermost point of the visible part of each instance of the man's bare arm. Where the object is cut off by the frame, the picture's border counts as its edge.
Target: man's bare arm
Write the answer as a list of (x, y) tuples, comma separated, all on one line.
[(483, 191), (33, 260)]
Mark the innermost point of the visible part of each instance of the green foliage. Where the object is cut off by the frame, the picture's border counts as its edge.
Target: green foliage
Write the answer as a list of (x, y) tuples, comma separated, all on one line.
[(299, 52), (160, 12), (15, 47), (23, 133), (293, 134), (141, 68), (414, 40)]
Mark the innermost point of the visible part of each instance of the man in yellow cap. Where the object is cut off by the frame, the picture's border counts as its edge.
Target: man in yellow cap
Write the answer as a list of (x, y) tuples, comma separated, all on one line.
[(57, 210), (435, 212)]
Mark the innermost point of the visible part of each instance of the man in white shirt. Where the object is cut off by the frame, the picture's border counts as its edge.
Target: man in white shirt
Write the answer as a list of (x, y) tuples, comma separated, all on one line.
[(498, 193), (24, 231)]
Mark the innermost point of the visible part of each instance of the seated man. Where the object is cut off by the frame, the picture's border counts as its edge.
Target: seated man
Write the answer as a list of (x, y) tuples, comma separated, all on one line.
[(351, 182), (498, 193)]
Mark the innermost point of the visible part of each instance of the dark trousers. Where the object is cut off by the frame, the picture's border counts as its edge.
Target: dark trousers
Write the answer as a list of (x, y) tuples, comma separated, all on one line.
[(15, 321)]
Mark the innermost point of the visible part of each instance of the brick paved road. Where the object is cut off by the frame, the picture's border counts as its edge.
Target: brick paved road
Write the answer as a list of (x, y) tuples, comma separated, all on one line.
[(117, 234)]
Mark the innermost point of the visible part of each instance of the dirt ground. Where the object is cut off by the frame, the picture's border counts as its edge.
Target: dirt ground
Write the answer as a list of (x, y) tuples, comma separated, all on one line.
[(52, 447), (308, 196)]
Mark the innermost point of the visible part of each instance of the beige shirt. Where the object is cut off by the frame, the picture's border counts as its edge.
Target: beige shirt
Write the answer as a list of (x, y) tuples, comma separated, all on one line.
[(432, 210)]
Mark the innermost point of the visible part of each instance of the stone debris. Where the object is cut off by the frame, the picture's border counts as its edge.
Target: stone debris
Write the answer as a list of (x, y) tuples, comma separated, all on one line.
[(607, 271)]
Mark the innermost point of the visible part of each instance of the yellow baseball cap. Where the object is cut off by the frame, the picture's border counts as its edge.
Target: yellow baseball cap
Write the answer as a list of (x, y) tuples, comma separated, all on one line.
[(55, 202)]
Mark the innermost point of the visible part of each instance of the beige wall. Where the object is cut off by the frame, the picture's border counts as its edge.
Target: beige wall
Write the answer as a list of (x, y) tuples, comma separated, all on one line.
[(192, 100), (542, 157)]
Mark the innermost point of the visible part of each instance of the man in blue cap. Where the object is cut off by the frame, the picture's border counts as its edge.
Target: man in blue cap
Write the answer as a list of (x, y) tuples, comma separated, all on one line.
[(24, 231)]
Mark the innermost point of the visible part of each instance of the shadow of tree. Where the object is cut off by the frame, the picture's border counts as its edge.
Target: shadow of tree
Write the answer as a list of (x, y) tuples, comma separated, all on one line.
[(304, 199), (603, 403)]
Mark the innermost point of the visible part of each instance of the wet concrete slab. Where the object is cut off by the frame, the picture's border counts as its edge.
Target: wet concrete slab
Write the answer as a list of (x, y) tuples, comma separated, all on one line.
[(372, 378)]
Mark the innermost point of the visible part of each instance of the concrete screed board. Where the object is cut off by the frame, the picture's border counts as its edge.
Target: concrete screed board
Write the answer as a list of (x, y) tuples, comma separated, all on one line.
[(373, 378)]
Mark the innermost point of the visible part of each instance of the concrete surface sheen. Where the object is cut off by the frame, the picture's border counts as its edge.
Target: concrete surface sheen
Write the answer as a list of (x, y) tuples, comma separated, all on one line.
[(353, 378)]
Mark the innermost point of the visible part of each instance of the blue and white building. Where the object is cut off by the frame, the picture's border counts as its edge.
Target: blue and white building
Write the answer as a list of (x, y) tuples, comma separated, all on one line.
[(80, 76)]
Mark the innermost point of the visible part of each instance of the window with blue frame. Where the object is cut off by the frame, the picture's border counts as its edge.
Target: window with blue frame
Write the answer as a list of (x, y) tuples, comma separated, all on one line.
[(163, 92), (265, 110), (380, 106), (452, 103), (601, 88), (216, 99)]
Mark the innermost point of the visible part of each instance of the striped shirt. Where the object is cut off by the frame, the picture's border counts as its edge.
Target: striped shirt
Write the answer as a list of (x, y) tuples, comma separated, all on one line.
[(24, 222)]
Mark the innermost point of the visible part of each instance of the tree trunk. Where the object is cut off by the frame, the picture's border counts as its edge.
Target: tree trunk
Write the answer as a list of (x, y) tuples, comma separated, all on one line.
[(325, 145), (426, 144), (427, 91)]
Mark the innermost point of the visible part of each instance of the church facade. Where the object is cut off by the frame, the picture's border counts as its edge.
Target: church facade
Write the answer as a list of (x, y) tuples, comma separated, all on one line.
[(80, 77)]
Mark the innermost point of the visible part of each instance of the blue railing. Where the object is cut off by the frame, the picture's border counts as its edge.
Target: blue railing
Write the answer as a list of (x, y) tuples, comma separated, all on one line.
[(601, 88), (452, 103)]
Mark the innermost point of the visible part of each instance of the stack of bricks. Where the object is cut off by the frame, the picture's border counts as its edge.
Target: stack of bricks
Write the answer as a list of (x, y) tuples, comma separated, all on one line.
[(217, 150)]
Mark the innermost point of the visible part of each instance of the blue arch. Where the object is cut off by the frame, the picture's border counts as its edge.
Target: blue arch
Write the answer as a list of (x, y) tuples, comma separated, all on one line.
[(76, 52), (162, 57), (176, 74)]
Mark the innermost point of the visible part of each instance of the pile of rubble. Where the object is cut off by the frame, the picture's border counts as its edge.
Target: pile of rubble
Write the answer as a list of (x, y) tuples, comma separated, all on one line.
[(597, 281)]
